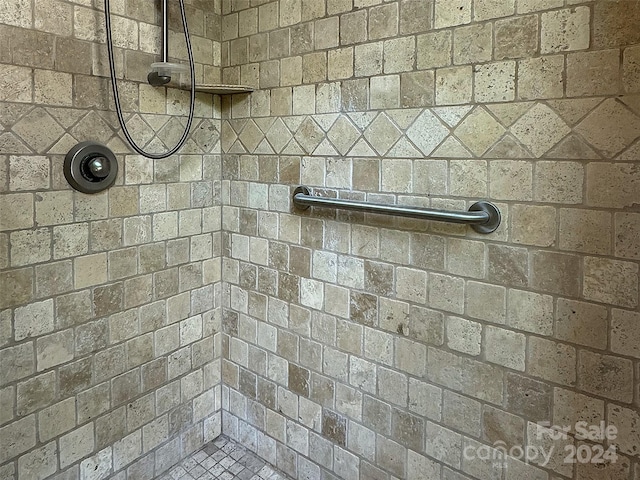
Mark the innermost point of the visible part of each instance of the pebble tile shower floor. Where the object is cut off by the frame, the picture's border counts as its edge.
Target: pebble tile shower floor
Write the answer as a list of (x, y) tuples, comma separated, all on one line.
[(223, 459)]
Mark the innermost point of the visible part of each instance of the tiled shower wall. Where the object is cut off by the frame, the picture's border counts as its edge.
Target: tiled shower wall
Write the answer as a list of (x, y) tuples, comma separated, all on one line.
[(109, 304), (362, 347)]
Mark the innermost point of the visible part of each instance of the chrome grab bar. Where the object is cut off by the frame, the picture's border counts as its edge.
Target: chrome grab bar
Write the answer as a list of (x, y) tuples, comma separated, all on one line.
[(484, 217)]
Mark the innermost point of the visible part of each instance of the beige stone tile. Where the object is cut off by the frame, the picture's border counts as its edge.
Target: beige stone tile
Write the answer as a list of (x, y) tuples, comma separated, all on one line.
[(586, 231), (599, 133), (611, 281), (505, 347), (472, 44), (230, 27), (461, 413), (541, 437), (565, 30), (291, 69), (90, 270), (516, 37), (624, 419), (427, 132), (559, 182), (29, 173), (355, 95), (556, 273), (511, 180), (530, 312), (304, 100), (631, 70), (500, 425), (368, 59), (447, 293), (430, 176), (290, 12), (490, 9), (495, 82), (340, 64), (270, 74), (541, 77), (479, 131), (312, 9), (385, 92), (526, 6), (4, 251), (268, 16), (417, 89), (326, 32), (314, 67), (282, 100), (415, 16), (443, 444), (448, 14), (612, 185), (551, 361), (33, 320), (593, 73), (399, 55), (627, 235), (248, 22), (533, 225), (338, 6), (21, 204), (486, 302), (353, 27), (614, 24), (581, 323), (466, 258), (434, 49), (382, 134), (383, 21), (468, 178), (18, 13), (624, 333), (571, 408), (454, 85), (23, 437), (30, 246), (53, 88), (605, 375), (540, 129)]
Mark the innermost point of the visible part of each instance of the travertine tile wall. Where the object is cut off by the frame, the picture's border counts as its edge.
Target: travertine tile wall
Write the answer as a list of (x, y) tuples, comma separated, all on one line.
[(109, 304), (360, 347)]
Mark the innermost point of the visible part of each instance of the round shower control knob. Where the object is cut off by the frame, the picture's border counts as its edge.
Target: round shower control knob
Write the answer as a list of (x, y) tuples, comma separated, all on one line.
[(99, 167), (90, 167)]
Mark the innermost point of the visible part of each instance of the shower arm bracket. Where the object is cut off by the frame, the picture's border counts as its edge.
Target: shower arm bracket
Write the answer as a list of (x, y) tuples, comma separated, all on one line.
[(160, 75)]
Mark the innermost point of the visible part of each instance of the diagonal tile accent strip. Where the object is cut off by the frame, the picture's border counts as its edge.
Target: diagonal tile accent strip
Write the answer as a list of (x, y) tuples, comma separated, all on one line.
[(427, 132), (343, 135), (278, 135), (251, 136), (39, 130), (479, 131), (540, 129), (382, 134), (610, 128)]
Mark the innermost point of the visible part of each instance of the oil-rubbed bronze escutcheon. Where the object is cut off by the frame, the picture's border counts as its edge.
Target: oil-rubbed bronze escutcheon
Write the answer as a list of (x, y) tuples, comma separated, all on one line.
[(90, 167)]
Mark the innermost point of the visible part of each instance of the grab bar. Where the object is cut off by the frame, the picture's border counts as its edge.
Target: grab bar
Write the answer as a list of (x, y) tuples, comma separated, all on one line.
[(484, 217)]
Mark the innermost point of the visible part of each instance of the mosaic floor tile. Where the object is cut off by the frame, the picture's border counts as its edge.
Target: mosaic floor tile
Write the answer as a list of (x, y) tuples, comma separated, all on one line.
[(223, 459)]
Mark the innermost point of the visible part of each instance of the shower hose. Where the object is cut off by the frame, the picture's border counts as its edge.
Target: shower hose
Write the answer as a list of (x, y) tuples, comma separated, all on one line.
[(116, 98)]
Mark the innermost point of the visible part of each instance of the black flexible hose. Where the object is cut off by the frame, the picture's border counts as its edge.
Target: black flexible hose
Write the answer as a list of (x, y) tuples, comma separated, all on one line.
[(114, 83)]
